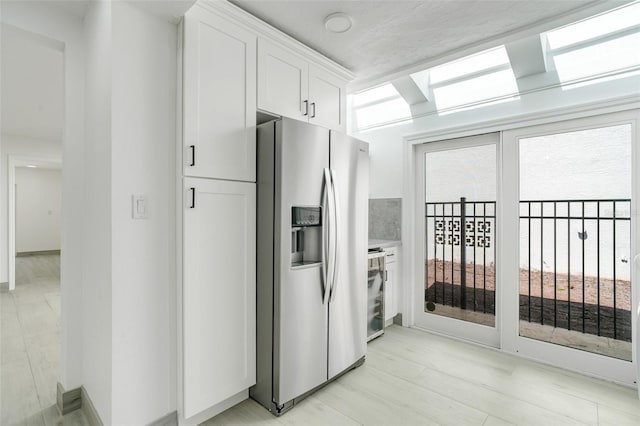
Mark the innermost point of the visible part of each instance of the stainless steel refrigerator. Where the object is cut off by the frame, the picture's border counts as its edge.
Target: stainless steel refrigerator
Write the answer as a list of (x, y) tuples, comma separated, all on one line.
[(312, 259)]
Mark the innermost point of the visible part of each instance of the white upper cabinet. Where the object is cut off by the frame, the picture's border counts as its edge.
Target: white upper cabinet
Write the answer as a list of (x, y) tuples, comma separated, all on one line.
[(291, 86), (328, 99), (219, 98), (282, 81)]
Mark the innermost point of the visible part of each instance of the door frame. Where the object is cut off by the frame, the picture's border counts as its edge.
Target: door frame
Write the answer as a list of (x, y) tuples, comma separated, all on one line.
[(466, 330), (561, 356), (13, 162), (411, 143)]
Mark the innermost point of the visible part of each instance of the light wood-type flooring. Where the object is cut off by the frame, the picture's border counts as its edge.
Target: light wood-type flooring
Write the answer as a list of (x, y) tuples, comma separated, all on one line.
[(30, 345), (409, 378), (414, 378)]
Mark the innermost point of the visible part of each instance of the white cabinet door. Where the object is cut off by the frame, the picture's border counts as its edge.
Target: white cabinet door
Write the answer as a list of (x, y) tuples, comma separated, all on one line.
[(219, 104), (282, 82), (391, 289), (219, 291), (390, 305), (327, 99)]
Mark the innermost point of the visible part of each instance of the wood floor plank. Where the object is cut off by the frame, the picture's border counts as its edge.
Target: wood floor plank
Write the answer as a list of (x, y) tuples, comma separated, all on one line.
[(422, 401), (569, 383), (608, 416), (12, 349), (495, 421), (313, 412), (246, 413), (366, 408), (19, 402), (544, 398)]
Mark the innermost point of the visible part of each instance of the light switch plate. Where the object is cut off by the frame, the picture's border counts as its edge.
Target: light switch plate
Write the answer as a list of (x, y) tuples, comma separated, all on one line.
[(138, 207)]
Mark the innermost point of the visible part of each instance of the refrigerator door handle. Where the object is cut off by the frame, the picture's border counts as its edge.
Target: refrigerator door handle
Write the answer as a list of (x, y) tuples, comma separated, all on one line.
[(326, 236), (337, 236)]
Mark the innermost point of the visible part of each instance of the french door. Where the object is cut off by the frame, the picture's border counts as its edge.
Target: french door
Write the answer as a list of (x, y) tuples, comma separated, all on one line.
[(527, 240), (571, 209), (457, 211)]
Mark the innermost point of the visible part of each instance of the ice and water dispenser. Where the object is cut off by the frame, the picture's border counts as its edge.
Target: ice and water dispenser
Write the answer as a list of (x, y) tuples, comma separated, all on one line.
[(306, 236)]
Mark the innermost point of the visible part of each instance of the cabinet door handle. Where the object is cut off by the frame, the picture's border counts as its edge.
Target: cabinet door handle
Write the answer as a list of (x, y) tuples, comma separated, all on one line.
[(193, 198), (193, 155), (313, 105), (306, 107), (386, 276)]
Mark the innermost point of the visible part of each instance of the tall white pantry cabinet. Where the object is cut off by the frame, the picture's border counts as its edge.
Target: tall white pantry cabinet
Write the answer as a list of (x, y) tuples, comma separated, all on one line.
[(218, 211), (219, 88)]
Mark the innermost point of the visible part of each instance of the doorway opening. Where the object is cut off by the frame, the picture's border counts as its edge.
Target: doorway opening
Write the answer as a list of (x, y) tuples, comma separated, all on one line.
[(33, 110)]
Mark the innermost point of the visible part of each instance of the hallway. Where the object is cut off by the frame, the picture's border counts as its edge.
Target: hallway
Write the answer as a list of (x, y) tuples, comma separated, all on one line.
[(31, 344)]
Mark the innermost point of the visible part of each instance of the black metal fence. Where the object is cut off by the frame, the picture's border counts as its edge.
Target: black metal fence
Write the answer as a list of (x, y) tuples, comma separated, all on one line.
[(594, 298), (468, 228)]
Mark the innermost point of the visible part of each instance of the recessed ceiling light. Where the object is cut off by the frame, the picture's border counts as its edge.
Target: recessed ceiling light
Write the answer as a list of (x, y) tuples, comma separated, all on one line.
[(31, 166), (338, 22)]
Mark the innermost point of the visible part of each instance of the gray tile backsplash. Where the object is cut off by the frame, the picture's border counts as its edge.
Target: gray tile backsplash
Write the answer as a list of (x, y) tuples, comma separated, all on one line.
[(385, 218)]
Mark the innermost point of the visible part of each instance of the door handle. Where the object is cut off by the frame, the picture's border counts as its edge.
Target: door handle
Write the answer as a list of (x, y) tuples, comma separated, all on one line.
[(326, 239), (306, 107), (193, 155), (313, 114), (193, 198), (337, 235)]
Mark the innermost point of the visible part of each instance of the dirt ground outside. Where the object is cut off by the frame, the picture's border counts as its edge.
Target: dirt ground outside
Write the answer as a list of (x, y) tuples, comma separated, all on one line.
[(542, 300)]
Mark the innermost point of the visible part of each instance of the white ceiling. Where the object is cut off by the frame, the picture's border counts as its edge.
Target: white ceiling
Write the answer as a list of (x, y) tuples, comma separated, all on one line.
[(32, 69), (388, 36)]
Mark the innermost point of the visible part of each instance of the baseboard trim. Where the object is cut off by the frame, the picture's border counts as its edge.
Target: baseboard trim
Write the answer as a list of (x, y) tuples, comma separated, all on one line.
[(89, 409), (36, 253), (397, 320), (170, 419), (68, 401)]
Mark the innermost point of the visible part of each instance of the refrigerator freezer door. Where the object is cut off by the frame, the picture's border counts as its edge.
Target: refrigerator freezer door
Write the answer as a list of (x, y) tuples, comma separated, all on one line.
[(349, 162), (300, 316)]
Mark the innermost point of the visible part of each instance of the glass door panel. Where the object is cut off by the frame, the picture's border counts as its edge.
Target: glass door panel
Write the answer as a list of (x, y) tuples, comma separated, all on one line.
[(460, 233), (575, 239)]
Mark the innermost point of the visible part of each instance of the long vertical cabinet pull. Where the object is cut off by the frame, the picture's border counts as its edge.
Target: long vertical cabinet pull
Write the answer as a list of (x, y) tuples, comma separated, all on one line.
[(193, 155), (336, 233), (193, 198), (325, 237)]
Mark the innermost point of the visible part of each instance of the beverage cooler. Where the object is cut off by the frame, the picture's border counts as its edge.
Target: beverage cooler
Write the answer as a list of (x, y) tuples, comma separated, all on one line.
[(375, 293)]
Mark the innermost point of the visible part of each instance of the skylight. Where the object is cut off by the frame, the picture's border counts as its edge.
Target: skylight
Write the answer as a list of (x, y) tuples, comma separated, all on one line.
[(598, 46), (378, 106), (469, 65), (474, 80), (617, 54), (619, 19), (494, 86), (376, 94)]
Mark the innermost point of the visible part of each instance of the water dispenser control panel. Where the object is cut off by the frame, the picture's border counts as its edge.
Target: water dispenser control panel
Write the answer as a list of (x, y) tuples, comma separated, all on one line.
[(306, 236)]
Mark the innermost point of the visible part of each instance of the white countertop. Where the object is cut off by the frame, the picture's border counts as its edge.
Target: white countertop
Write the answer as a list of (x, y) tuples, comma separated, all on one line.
[(384, 243)]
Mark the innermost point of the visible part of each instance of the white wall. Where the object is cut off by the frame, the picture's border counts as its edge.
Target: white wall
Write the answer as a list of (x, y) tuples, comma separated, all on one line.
[(38, 202), (143, 162), (97, 245), (11, 145)]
